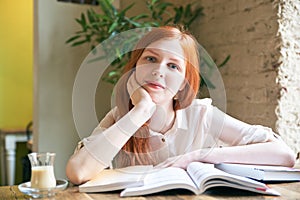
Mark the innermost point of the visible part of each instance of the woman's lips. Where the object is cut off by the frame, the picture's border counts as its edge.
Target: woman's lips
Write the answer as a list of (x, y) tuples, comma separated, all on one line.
[(155, 85)]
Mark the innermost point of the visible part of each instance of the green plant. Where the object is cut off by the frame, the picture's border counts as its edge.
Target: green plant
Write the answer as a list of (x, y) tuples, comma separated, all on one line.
[(97, 27)]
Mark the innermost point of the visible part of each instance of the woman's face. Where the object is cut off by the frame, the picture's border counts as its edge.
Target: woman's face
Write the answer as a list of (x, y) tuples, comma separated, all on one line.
[(161, 70)]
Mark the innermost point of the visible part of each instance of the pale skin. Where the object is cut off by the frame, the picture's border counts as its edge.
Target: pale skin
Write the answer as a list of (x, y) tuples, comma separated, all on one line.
[(159, 75)]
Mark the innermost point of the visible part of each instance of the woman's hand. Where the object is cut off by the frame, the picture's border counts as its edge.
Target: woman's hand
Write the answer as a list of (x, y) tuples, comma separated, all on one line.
[(137, 93), (181, 161)]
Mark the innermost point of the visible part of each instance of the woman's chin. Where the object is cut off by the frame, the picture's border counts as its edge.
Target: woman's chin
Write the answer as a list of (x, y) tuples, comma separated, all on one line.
[(159, 101)]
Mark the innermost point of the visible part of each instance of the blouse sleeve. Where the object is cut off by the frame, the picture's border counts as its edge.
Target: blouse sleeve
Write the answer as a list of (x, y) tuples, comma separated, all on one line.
[(235, 132), (106, 122), (111, 135)]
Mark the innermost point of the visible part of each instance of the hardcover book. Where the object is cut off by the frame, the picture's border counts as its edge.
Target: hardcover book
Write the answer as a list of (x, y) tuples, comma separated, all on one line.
[(261, 173)]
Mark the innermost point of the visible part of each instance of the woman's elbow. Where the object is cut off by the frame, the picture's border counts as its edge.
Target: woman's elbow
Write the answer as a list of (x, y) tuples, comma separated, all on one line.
[(74, 173), (288, 156)]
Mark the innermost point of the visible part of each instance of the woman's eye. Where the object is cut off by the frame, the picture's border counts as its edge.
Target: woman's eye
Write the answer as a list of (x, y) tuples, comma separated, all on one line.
[(150, 59), (173, 66)]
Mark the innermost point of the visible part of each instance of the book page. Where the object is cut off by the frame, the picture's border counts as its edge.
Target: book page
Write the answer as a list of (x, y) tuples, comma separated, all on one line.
[(114, 179), (206, 176), (161, 180)]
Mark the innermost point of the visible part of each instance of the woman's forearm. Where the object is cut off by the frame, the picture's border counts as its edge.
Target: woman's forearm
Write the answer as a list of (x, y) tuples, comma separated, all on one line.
[(100, 149), (268, 153)]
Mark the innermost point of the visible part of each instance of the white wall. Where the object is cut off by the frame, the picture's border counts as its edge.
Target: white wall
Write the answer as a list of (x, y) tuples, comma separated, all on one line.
[(55, 68)]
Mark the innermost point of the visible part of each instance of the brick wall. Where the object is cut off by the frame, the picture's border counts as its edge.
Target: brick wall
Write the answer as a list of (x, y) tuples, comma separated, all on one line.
[(247, 31), (261, 79)]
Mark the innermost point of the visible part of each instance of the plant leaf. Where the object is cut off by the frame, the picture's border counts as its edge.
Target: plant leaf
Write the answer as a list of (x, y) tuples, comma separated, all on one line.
[(107, 8), (71, 39), (79, 42), (225, 61), (112, 27)]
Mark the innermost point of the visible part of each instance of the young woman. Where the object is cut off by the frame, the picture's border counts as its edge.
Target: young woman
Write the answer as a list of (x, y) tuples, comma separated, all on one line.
[(158, 121)]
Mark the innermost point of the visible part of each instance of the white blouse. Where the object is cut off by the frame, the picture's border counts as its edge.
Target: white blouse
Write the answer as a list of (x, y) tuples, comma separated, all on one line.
[(199, 126)]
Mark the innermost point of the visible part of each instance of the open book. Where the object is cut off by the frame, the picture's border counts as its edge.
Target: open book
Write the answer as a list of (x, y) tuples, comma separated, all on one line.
[(261, 173), (117, 179), (197, 178)]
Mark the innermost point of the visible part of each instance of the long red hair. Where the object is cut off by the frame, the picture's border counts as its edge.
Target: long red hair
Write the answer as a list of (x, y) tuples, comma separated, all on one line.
[(137, 149)]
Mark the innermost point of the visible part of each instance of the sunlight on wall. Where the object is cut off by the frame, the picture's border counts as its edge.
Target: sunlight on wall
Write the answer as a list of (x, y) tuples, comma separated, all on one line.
[(16, 63)]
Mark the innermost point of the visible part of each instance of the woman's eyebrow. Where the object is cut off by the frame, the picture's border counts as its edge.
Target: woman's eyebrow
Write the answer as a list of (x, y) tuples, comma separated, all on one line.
[(152, 51), (157, 54)]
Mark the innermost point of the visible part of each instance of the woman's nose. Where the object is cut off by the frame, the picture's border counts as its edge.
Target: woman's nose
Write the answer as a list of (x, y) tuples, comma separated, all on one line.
[(158, 71)]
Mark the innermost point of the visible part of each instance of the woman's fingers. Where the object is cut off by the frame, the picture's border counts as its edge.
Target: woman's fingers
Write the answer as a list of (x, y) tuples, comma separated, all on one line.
[(132, 84), (136, 92)]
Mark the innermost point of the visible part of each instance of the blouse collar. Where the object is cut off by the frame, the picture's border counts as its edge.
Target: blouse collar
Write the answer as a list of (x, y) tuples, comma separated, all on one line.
[(181, 119)]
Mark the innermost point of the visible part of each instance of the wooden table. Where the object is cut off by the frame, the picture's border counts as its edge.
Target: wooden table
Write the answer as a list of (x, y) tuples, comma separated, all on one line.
[(287, 190)]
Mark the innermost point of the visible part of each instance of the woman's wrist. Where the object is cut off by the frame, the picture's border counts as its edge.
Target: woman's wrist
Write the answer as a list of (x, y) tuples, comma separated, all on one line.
[(206, 155), (146, 108)]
